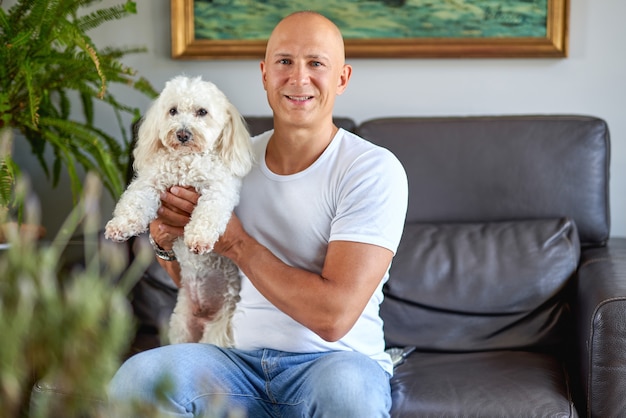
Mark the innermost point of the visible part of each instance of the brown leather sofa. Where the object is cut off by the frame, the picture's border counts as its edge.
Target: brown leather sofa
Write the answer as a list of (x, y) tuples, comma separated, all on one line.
[(505, 281)]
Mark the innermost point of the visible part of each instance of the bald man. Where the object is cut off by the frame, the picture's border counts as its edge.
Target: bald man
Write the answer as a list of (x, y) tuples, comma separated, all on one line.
[(320, 218)]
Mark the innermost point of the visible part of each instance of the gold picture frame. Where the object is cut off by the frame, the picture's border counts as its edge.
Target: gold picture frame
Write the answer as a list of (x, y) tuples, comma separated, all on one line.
[(553, 45)]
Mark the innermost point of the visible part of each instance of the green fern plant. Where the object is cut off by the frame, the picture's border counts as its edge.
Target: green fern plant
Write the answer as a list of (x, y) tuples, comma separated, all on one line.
[(48, 62), (8, 171)]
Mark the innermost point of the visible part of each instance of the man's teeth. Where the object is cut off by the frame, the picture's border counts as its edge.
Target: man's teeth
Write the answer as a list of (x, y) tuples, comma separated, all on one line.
[(299, 98)]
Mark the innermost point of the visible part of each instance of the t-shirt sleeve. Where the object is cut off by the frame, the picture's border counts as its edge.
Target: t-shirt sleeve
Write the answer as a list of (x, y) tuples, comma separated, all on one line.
[(372, 201)]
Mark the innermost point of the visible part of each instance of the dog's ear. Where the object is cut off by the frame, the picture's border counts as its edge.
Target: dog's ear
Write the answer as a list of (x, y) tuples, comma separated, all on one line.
[(234, 146), (148, 137)]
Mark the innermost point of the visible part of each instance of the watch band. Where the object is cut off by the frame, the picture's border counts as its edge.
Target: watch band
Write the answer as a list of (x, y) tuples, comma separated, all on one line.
[(160, 252)]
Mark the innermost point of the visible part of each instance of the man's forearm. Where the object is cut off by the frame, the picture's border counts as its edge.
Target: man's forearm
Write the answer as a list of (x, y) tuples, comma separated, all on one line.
[(173, 269), (294, 291), (328, 303)]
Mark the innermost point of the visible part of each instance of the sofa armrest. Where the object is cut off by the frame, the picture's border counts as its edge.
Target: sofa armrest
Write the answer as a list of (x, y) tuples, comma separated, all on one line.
[(601, 317)]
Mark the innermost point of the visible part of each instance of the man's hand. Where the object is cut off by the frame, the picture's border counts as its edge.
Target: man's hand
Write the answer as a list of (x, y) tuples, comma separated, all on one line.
[(233, 234), (177, 204)]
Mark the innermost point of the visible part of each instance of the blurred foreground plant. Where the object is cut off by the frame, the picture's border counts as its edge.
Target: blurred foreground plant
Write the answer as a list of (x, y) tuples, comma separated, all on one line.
[(70, 327)]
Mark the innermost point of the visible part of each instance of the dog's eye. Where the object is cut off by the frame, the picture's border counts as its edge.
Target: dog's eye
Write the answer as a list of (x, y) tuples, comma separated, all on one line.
[(201, 112), (173, 111)]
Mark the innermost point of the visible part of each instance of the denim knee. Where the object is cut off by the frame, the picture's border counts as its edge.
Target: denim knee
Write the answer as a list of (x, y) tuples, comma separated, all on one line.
[(158, 379), (180, 380), (136, 379), (349, 385)]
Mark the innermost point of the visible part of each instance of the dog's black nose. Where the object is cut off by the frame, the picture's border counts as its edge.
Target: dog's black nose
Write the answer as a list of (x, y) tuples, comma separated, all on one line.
[(183, 135)]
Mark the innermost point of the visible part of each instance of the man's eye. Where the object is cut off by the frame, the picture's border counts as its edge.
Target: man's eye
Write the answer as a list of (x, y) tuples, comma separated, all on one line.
[(173, 111), (201, 112), (284, 61)]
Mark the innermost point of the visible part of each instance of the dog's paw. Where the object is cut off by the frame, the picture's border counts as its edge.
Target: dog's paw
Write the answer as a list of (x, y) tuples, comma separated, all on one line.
[(199, 247), (120, 231), (200, 243), (115, 234)]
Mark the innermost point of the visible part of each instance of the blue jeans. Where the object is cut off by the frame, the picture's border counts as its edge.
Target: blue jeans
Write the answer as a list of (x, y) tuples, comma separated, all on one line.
[(264, 383)]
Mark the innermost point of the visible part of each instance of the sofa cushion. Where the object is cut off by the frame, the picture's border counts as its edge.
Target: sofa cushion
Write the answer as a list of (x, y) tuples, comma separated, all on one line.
[(490, 384), (480, 286)]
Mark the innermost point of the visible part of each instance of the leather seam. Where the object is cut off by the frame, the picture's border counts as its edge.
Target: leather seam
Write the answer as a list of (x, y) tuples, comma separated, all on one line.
[(598, 260)]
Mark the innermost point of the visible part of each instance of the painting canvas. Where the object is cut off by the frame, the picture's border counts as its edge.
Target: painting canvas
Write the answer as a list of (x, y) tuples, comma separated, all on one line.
[(378, 28)]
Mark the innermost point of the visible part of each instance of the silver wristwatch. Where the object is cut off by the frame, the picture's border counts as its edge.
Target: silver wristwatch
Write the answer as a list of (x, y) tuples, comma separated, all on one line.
[(160, 252)]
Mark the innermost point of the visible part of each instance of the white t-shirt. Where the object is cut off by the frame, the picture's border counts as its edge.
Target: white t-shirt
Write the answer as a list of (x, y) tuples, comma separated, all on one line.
[(355, 191)]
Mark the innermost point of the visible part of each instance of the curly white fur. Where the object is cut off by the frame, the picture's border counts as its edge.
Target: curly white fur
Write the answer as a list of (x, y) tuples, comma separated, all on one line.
[(191, 136)]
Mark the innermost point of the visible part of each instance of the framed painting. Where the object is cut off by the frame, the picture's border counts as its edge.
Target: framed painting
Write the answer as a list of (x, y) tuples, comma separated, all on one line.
[(238, 29)]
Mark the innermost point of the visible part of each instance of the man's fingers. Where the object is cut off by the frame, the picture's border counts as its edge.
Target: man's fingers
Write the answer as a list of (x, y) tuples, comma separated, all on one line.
[(180, 199), (185, 198), (173, 216), (177, 204), (163, 234)]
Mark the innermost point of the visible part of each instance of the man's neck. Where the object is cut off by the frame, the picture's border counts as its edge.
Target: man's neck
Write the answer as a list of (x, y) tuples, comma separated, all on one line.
[(291, 150)]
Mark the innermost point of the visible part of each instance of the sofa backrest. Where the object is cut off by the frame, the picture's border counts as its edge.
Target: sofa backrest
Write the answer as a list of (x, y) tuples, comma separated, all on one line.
[(486, 169)]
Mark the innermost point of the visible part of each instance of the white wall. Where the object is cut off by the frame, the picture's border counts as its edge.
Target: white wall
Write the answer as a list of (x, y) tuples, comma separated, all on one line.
[(592, 80)]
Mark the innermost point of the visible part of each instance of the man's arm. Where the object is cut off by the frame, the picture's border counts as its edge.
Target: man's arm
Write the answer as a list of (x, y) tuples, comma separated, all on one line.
[(329, 303)]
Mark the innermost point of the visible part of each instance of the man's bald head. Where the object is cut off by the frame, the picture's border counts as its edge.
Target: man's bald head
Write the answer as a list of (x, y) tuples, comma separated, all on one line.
[(307, 24)]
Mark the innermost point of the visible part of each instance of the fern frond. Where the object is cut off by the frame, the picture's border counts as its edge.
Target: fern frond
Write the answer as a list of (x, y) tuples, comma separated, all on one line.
[(4, 21), (87, 101), (33, 99), (90, 147), (75, 181), (6, 184), (65, 106), (19, 10), (116, 53), (47, 56), (9, 170), (97, 18)]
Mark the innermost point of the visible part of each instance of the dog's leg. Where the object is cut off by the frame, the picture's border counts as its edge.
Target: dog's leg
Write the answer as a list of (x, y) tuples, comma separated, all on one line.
[(211, 215), (135, 210), (219, 331), (184, 326), (212, 285)]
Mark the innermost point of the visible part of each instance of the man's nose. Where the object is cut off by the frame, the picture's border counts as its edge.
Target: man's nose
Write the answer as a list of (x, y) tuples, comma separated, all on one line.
[(299, 74)]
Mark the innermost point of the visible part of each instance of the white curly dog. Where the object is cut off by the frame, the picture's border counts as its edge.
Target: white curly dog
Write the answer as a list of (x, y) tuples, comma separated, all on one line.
[(191, 136)]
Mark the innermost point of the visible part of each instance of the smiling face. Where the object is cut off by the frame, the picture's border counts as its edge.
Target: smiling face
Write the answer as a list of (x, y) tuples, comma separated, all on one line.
[(304, 70)]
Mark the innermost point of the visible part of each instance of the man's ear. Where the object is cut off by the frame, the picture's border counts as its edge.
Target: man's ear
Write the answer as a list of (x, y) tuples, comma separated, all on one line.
[(263, 75), (344, 78)]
